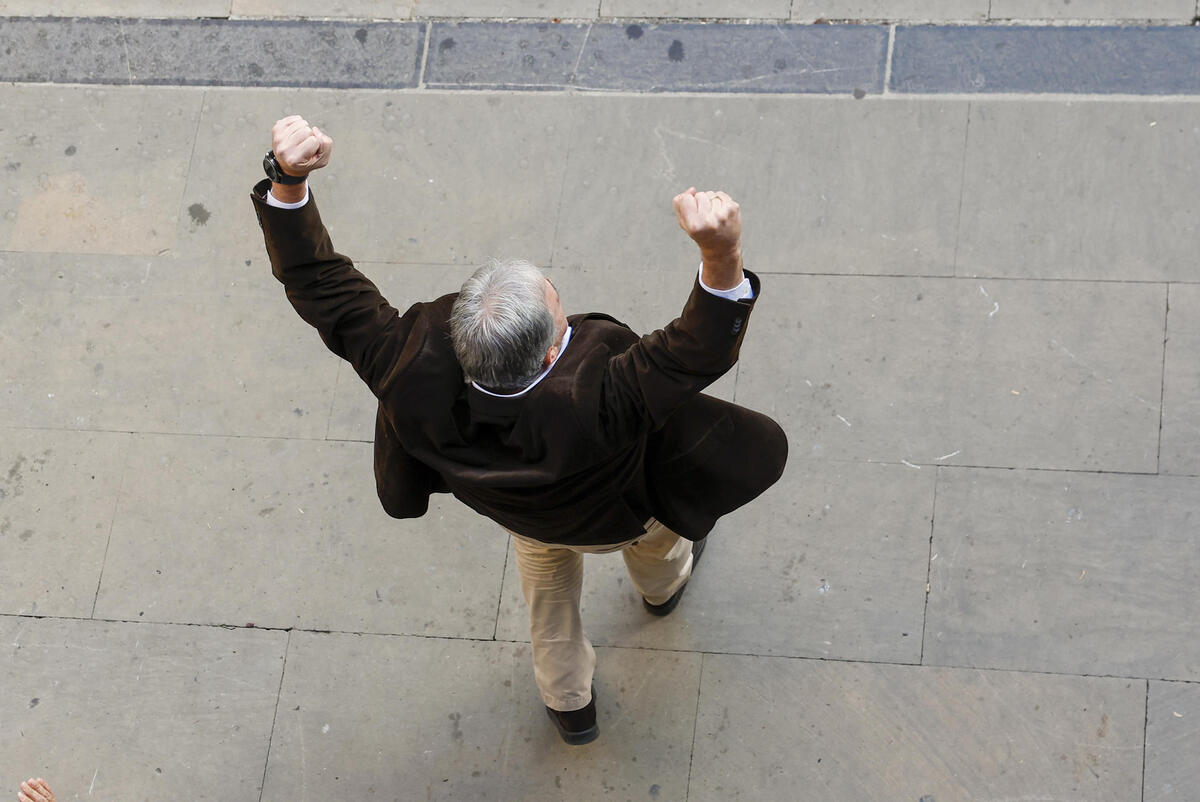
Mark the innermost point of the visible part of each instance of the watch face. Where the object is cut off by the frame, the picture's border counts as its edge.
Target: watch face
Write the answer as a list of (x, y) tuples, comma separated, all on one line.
[(271, 167)]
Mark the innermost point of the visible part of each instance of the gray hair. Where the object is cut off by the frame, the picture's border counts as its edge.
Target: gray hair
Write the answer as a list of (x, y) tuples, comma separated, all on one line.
[(500, 325)]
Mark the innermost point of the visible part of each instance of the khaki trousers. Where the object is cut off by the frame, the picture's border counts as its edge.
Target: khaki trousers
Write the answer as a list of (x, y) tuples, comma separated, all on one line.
[(659, 563)]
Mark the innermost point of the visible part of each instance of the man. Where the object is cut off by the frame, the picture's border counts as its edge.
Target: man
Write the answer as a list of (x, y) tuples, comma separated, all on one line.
[(572, 433)]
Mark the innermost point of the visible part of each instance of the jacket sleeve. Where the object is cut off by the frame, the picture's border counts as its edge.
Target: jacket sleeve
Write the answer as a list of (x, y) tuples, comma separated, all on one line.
[(354, 320), (643, 385)]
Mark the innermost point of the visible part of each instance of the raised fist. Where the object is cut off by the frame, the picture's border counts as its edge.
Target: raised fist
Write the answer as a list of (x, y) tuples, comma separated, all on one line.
[(712, 219), (299, 148)]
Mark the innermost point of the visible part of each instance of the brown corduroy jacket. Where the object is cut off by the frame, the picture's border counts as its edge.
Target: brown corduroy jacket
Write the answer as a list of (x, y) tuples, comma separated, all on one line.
[(617, 432)]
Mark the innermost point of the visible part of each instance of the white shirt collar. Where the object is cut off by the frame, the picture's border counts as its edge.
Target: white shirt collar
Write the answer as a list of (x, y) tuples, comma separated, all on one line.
[(562, 347)]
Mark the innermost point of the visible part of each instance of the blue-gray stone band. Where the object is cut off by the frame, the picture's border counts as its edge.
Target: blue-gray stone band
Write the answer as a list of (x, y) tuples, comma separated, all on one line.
[(604, 56)]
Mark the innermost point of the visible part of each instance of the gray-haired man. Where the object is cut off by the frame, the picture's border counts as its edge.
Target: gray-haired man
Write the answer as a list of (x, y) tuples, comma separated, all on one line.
[(572, 433)]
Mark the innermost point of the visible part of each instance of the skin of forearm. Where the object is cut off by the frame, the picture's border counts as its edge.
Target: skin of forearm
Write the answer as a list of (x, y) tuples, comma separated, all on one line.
[(289, 193), (722, 269)]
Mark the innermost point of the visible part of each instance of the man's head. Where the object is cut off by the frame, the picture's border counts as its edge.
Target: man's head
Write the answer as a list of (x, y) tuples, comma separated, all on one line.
[(506, 324)]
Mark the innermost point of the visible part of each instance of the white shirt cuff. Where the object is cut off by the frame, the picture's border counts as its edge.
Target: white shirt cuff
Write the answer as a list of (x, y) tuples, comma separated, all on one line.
[(738, 293), (273, 201)]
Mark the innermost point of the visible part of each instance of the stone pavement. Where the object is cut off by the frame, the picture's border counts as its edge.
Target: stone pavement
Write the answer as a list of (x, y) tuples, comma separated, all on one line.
[(980, 326)]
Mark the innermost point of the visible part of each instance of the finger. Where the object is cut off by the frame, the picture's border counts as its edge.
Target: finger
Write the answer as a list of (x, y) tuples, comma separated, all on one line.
[(306, 151), (325, 143), (294, 135), (282, 124), (294, 128)]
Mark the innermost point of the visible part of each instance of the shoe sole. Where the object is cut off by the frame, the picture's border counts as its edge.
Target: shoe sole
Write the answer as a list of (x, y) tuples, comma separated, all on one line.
[(575, 738)]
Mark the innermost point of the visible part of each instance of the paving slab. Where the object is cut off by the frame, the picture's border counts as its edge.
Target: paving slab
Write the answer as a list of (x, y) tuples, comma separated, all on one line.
[(356, 9), (1172, 10), (1180, 449), (1075, 573), (1080, 190), (58, 492), (112, 711), (1172, 738), (732, 9), (231, 53), (497, 55), (429, 178), (769, 726), (288, 533), (57, 50), (1045, 58), (809, 177), (942, 10), (831, 562), (93, 170), (202, 362), (1021, 374), (399, 717), (694, 57)]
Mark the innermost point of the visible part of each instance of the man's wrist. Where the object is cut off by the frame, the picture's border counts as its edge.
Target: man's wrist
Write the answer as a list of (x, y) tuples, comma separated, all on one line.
[(290, 193), (722, 270)]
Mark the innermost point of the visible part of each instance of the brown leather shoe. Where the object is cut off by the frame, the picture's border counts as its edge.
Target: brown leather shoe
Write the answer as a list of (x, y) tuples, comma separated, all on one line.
[(577, 727), (669, 605)]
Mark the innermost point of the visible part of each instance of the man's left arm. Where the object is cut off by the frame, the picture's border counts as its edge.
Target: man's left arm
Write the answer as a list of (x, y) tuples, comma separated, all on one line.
[(348, 311)]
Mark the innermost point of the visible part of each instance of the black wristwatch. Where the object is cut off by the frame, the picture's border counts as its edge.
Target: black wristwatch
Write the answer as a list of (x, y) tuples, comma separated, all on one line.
[(276, 173)]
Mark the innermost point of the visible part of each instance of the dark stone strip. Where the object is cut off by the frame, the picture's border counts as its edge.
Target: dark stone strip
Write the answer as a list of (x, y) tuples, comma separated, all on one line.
[(635, 57), (686, 57), (1101, 60), (212, 52)]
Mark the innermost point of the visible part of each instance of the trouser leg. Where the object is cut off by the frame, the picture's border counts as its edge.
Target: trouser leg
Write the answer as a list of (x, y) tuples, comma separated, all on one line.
[(659, 563), (563, 658)]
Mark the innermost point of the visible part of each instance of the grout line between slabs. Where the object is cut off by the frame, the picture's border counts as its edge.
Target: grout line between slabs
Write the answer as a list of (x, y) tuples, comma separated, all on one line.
[(572, 124), (1145, 738), (937, 472), (695, 727), (1162, 390), (500, 595), (125, 50), (113, 521), (707, 653), (278, 696), (191, 163), (424, 56), (962, 190), (887, 63)]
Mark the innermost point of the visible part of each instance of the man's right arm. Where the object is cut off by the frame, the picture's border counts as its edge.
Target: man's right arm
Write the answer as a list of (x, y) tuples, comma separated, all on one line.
[(643, 385)]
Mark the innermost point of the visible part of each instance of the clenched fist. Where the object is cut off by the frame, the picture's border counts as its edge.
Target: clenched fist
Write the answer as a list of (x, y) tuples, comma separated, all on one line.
[(300, 148), (712, 219)]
